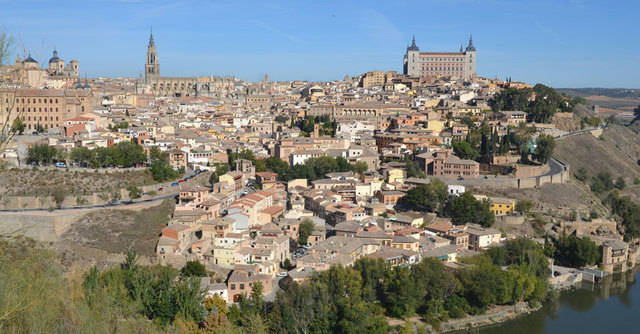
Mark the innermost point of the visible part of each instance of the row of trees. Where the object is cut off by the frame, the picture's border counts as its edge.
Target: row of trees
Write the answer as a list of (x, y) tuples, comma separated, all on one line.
[(349, 300), (433, 197), (155, 292), (124, 154), (313, 168), (339, 300)]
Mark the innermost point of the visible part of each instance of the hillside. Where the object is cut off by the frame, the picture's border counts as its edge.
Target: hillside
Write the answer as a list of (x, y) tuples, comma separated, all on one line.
[(616, 152), (101, 233)]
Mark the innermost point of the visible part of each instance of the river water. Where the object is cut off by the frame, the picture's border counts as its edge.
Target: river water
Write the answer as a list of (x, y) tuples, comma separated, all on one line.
[(610, 307)]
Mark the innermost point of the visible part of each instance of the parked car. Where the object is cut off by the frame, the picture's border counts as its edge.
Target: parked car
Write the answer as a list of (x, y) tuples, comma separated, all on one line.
[(61, 165), (282, 274), (181, 181), (175, 184)]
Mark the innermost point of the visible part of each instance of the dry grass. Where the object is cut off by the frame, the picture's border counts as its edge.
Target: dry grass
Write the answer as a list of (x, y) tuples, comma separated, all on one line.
[(34, 182), (114, 231), (617, 152)]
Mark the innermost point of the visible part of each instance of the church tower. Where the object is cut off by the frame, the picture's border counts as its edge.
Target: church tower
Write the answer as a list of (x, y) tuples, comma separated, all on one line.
[(151, 67)]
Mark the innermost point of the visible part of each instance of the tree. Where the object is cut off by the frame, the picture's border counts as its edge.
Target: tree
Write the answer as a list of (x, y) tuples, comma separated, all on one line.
[(194, 269), (305, 230), (18, 126), (59, 194), (545, 145), (360, 167), (581, 174), (134, 192), (524, 206), (216, 304), (6, 44), (576, 252), (464, 150), (282, 119), (220, 169), (414, 170), (41, 153), (430, 197), (81, 155), (620, 184), (467, 209)]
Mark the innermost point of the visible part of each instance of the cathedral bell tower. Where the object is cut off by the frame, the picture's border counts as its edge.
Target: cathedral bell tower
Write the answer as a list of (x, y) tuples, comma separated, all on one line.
[(151, 67)]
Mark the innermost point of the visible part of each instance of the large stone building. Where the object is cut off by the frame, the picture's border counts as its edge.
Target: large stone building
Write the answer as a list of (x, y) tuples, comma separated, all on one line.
[(432, 65), (49, 108), (180, 86), (28, 73)]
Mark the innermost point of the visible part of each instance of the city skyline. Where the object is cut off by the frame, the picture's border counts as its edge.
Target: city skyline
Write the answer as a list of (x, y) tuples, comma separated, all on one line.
[(553, 43)]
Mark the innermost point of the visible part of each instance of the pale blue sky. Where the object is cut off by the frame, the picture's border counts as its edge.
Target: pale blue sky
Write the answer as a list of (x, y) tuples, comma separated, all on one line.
[(564, 43)]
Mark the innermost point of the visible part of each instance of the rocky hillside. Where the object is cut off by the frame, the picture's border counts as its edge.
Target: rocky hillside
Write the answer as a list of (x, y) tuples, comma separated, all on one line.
[(617, 151)]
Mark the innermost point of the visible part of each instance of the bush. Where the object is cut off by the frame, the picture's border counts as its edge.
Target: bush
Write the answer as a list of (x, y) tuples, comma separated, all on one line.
[(194, 269), (581, 174)]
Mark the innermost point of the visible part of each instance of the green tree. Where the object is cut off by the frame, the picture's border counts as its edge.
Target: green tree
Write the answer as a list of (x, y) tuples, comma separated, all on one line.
[(360, 167), (18, 126), (134, 191), (464, 150), (41, 153), (467, 209), (524, 206), (545, 145), (581, 174), (430, 197), (59, 194), (194, 269), (220, 169), (304, 231), (414, 170), (576, 252), (282, 119)]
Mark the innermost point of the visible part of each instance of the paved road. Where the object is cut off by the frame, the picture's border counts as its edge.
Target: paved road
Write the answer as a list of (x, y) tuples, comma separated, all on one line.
[(579, 132), (98, 206)]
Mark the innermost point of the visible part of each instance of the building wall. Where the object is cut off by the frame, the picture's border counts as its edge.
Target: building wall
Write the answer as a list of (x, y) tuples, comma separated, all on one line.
[(48, 107)]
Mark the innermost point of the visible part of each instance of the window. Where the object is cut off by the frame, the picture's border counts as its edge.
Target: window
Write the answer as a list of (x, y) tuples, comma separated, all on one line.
[(233, 286), (241, 286)]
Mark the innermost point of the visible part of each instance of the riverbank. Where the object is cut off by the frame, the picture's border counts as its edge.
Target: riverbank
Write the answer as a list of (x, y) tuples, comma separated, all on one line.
[(493, 316)]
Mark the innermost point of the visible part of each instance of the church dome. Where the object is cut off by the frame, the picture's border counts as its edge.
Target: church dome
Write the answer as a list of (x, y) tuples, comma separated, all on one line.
[(54, 58), (29, 60)]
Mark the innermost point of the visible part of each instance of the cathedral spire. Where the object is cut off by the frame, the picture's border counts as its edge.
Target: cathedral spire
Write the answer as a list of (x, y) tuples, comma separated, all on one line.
[(413, 46), (151, 43), (470, 47)]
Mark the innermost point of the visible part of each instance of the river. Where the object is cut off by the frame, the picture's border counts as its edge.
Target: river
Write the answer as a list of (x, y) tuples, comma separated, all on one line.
[(612, 306)]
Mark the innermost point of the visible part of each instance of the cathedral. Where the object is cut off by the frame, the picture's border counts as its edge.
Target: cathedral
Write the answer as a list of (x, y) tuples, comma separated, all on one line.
[(180, 86)]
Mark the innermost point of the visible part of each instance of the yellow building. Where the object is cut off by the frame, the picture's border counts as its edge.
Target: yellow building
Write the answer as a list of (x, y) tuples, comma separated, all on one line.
[(395, 175), (435, 125), (502, 206), (224, 256)]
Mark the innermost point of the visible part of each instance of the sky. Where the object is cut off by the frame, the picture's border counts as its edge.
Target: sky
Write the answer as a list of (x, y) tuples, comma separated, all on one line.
[(562, 43)]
